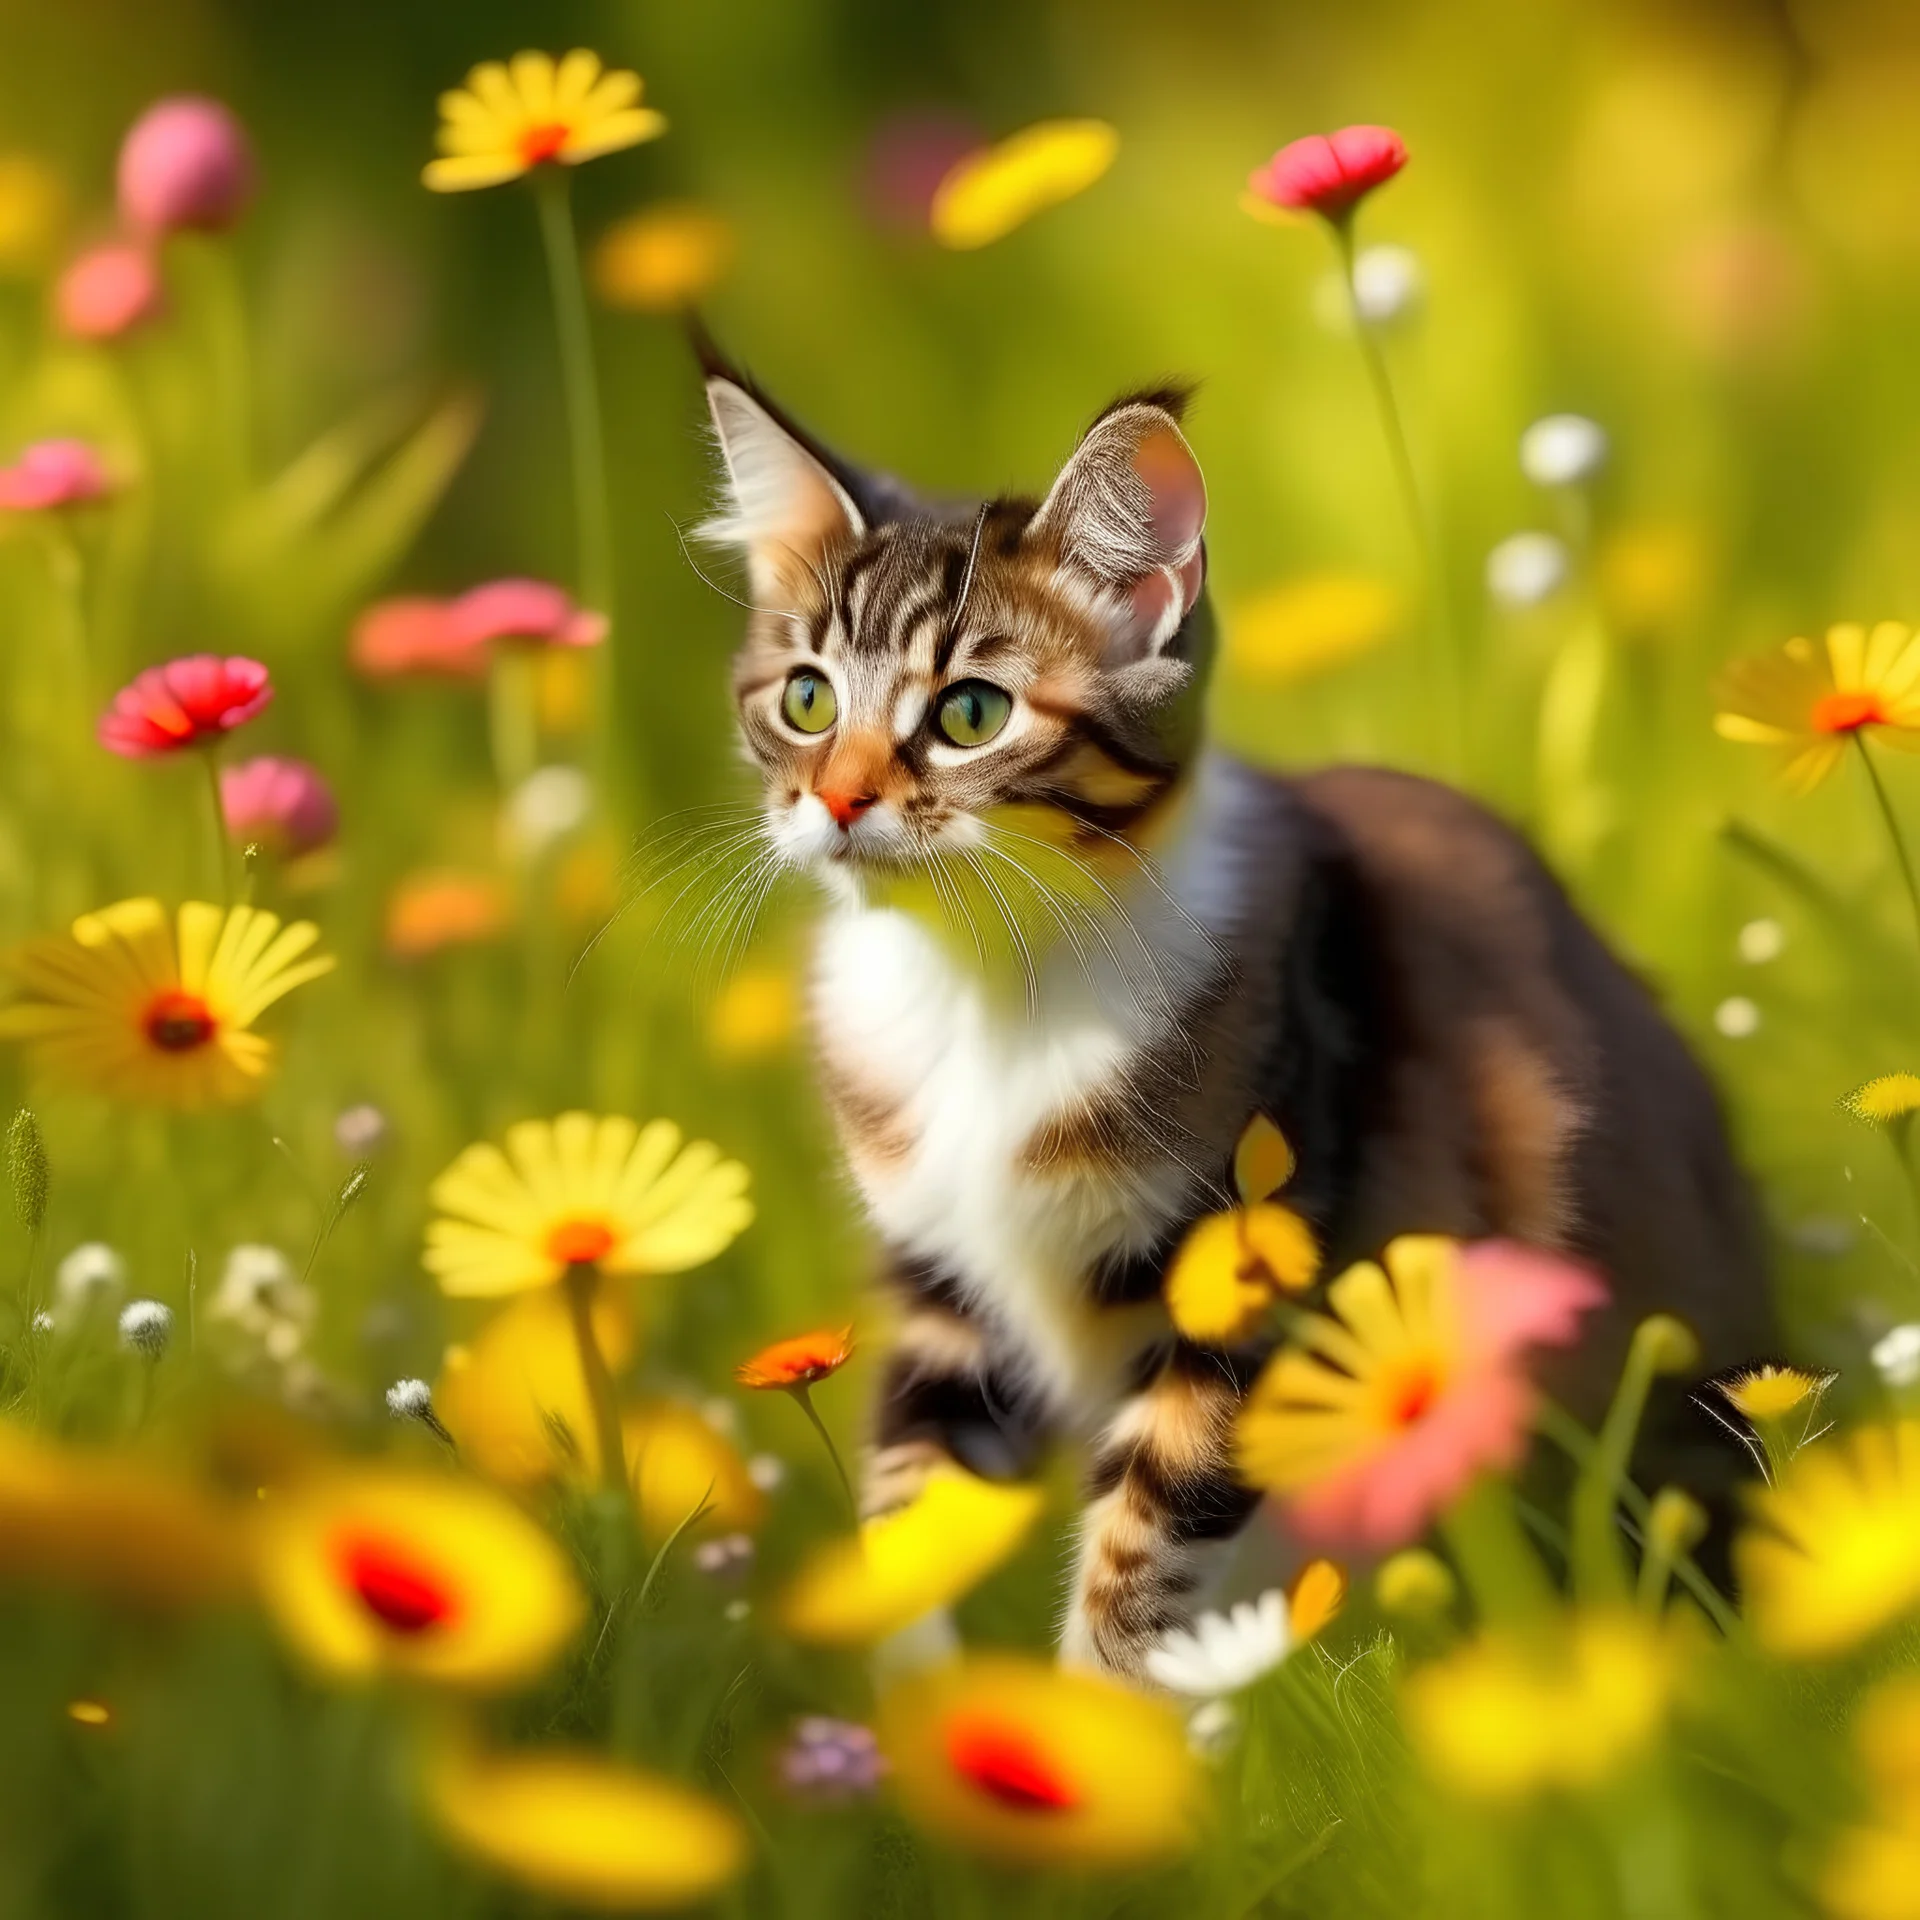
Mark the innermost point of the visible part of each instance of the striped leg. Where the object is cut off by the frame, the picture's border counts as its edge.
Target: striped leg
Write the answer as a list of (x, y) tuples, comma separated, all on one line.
[(1163, 1507)]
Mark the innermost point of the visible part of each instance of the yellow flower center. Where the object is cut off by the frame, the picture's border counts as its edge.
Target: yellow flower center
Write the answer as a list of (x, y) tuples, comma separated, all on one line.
[(580, 1242), (177, 1021), (1847, 712), (543, 142)]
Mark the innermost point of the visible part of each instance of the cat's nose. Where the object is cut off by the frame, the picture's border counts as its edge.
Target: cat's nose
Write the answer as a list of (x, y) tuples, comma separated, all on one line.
[(846, 808)]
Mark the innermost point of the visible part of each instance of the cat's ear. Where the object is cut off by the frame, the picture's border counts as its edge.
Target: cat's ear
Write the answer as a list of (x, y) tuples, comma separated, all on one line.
[(1129, 509), (783, 506)]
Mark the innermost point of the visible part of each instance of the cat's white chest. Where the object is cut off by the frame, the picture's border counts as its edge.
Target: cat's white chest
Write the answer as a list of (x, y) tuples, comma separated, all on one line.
[(971, 1079)]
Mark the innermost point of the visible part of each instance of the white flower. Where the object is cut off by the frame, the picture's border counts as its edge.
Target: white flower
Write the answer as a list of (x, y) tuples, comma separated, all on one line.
[(1526, 568), (1737, 1017), (359, 1130), (1896, 1355), (1211, 1727), (547, 806), (145, 1327), (409, 1399), (767, 1471), (1387, 282), (1760, 941), (1562, 450), (91, 1276), (262, 1299), (1221, 1653), (43, 1322)]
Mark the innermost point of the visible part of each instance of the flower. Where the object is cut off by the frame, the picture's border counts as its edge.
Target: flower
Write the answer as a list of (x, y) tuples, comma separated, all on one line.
[(1416, 1582), (664, 258), (549, 804), (754, 1013), (108, 290), (798, 1362), (986, 194), (410, 1399), (146, 1328), (1833, 1554), (1311, 625), (186, 164), (1527, 568), (264, 1302), (1874, 1871), (1042, 1766), (904, 1564), (1882, 1102), (89, 1280), (1563, 450), (1329, 174), (1770, 1392), (1766, 939), (1224, 1653), (1387, 284), (726, 1557), (284, 805), (830, 1760), (675, 1462), (185, 703), (582, 1190), (1503, 1719), (511, 116), (424, 1576), (1809, 700), (1896, 1355), (586, 1830), (530, 611), (50, 474), (413, 635), (124, 1006), (428, 911), (360, 1130), (1376, 1416), (1737, 1017)]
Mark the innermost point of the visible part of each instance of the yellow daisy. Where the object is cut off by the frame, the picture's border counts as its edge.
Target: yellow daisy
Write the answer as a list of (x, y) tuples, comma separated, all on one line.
[(1883, 1101), (1834, 1552), (580, 1191), (1809, 700), (663, 258), (512, 115), (987, 194), (1874, 1870), (161, 1013)]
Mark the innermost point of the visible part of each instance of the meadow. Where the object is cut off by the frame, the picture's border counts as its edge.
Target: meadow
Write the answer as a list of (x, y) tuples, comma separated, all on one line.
[(433, 1321)]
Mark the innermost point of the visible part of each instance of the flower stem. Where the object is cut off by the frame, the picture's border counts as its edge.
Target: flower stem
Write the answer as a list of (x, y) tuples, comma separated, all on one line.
[(1599, 1567), (581, 1278), (1893, 828), (1503, 1573), (1446, 665), (222, 857), (513, 720), (803, 1398)]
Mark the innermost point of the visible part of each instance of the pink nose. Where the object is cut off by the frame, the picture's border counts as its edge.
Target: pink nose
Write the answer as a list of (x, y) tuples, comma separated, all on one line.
[(846, 808)]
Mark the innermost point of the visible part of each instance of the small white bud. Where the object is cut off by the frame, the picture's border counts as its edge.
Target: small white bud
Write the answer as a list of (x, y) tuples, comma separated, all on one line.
[(767, 1471), (1737, 1017), (358, 1131), (1562, 450), (722, 1416), (1387, 283), (146, 1326), (1527, 568), (43, 1322), (91, 1276), (547, 806), (1896, 1355), (1760, 941), (409, 1399), (735, 1611)]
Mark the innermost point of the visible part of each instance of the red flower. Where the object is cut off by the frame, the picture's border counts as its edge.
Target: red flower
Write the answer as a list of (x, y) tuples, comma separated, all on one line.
[(798, 1362), (414, 635), (1329, 174), (184, 704)]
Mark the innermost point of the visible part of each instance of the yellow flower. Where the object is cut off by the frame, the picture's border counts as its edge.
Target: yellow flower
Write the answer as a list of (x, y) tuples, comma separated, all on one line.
[(1834, 1552), (1874, 1871), (33, 210), (1893, 1096), (663, 258), (1019, 1759), (584, 1829), (425, 1576), (1263, 1162), (1231, 1268), (754, 1014), (582, 1191), (129, 1009), (1311, 625), (1769, 1392), (675, 1460), (987, 194), (512, 115), (1500, 1719), (904, 1564), (1810, 700)]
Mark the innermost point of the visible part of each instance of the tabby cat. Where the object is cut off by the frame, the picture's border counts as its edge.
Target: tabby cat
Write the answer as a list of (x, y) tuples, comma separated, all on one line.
[(1068, 952)]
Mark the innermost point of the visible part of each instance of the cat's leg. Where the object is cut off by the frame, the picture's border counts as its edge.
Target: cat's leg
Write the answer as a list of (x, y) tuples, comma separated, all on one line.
[(1163, 1507)]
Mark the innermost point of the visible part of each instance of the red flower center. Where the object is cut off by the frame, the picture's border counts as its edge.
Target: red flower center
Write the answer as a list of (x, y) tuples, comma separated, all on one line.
[(1411, 1392), (393, 1586), (1008, 1765), (543, 142), (580, 1242), (177, 1021), (1847, 712)]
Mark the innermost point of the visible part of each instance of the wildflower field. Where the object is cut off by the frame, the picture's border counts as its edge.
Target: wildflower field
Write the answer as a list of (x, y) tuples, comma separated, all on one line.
[(435, 1339)]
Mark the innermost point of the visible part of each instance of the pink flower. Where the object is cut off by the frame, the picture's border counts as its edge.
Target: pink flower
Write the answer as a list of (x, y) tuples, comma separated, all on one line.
[(52, 473), (1376, 1417), (107, 290), (1330, 173), (283, 804), (413, 635), (185, 163), (455, 637), (524, 610), (184, 704)]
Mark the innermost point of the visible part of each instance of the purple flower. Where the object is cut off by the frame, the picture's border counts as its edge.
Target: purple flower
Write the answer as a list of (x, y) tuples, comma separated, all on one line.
[(827, 1759)]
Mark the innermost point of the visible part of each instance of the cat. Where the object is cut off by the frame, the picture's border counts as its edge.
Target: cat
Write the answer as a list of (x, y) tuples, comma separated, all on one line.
[(1068, 952)]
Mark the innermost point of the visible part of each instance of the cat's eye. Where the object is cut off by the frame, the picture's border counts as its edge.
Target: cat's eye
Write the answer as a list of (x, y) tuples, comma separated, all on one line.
[(971, 712), (808, 703)]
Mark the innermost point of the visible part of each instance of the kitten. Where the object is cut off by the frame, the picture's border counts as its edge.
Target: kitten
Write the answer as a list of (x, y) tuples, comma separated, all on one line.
[(1068, 952)]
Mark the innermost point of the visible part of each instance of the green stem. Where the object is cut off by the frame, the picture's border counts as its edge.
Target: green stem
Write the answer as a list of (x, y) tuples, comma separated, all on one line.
[(803, 1398), (1599, 1566), (1893, 828), (1446, 663), (222, 853), (581, 1279), (513, 719), (1900, 1134), (1503, 1573)]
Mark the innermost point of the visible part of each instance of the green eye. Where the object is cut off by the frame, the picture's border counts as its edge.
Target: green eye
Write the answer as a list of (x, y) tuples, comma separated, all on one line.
[(808, 703), (971, 713)]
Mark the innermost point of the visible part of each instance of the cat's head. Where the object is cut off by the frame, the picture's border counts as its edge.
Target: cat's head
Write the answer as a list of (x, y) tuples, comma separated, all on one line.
[(912, 672)]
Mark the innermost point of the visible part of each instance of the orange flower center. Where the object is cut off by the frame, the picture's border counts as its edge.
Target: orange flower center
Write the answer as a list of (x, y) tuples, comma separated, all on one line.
[(1847, 712), (579, 1243), (543, 142), (1409, 1389), (1007, 1765), (177, 1021), (393, 1586)]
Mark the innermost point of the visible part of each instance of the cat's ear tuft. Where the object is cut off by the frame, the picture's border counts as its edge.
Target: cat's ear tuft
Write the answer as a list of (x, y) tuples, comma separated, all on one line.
[(782, 506), (1129, 509)]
